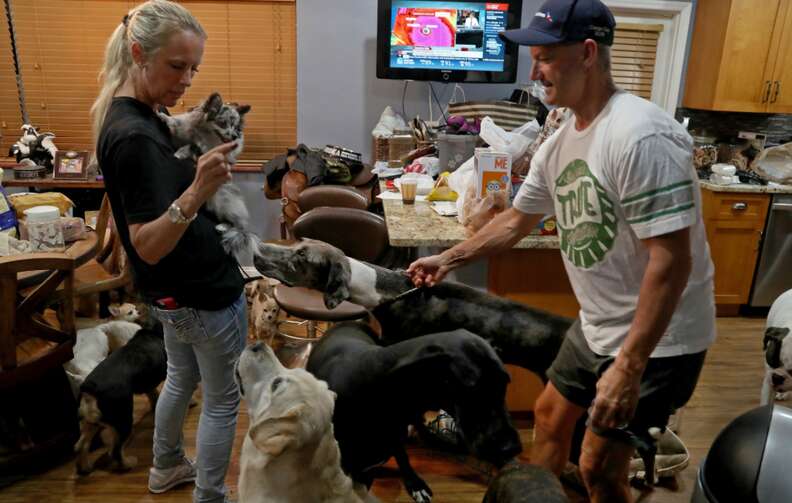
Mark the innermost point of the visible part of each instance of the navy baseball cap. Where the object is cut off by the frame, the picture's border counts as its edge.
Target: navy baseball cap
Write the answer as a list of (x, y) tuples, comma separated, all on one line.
[(560, 21)]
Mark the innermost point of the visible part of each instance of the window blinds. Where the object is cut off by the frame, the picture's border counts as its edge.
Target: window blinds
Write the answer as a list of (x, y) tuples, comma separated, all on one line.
[(633, 57), (250, 57)]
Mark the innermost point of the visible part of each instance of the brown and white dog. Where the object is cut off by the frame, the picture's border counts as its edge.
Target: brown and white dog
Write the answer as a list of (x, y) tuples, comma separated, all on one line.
[(263, 310), (778, 350), (289, 453)]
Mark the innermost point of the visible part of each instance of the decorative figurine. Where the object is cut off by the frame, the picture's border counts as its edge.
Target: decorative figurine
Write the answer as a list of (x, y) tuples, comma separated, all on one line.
[(39, 148)]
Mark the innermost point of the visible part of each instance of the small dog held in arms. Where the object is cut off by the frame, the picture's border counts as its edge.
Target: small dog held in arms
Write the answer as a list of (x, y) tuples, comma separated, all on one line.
[(106, 400), (289, 453), (196, 132), (778, 350)]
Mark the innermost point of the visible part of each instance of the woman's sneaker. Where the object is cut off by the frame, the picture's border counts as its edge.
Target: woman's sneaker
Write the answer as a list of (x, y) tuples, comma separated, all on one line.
[(165, 479)]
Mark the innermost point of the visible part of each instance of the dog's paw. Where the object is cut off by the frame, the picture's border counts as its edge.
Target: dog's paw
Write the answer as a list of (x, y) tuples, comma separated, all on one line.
[(183, 153), (421, 496), (418, 490), (84, 466), (781, 396)]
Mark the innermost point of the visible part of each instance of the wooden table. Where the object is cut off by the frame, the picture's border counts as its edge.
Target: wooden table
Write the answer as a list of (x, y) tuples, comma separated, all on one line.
[(49, 182), (81, 251)]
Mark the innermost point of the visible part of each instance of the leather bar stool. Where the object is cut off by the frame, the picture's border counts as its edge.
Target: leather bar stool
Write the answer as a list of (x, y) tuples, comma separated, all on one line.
[(331, 195), (359, 234)]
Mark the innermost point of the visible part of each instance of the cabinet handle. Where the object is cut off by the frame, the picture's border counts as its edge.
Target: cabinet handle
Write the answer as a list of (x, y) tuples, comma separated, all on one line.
[(776, 91), (782, 207), (766, 91), (740, 206)]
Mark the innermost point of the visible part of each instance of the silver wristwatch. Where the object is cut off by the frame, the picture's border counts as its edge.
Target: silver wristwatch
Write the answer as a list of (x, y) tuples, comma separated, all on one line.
[(176, 215)]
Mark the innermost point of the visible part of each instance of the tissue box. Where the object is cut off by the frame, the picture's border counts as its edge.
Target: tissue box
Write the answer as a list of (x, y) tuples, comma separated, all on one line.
[(493, 171)]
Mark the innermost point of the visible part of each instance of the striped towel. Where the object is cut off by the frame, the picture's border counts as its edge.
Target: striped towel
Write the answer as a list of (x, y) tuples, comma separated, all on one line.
[(506, 114)]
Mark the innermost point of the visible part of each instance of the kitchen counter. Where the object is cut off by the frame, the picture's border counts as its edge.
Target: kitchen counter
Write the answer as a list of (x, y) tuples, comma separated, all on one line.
[(419, 225), (746, 188)]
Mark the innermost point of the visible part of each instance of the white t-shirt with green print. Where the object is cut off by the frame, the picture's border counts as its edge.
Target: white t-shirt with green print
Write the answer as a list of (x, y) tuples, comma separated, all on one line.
[(628, 176)]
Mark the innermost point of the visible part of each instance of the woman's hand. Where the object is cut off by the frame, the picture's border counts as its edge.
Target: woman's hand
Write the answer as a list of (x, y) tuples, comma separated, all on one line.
[(212, 171)]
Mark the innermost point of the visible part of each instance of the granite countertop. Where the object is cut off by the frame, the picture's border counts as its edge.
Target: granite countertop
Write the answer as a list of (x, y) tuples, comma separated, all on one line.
[(746, 188), (419, 225)]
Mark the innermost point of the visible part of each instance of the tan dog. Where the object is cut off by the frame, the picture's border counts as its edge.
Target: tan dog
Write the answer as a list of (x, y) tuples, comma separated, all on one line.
[(262, 309), (289, 453), (264, 315)]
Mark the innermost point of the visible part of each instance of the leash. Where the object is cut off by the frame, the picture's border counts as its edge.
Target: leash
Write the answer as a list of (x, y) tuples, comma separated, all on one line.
[(401, 296)]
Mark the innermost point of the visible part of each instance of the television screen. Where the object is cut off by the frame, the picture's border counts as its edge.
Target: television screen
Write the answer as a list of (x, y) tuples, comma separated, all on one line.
[(447, 40)]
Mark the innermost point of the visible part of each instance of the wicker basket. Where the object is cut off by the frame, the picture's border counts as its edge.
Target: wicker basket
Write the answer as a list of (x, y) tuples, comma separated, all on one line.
[(381, 149)]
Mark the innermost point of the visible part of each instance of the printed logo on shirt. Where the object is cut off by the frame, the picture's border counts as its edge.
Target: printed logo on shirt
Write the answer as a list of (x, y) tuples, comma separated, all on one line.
[(585, 216)]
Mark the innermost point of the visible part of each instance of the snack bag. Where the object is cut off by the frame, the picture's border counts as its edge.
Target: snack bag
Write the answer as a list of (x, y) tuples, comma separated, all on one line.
[(441, 190)]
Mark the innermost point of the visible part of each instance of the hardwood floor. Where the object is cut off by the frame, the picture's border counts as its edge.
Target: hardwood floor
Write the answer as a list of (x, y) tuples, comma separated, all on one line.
[(729, 386)]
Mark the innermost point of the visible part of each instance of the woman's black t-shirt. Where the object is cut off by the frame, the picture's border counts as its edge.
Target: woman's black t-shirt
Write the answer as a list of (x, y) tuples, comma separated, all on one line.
[(142, 179)]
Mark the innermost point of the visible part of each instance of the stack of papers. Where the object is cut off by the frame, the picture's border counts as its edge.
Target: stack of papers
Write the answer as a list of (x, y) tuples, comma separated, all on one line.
[(445, 208)]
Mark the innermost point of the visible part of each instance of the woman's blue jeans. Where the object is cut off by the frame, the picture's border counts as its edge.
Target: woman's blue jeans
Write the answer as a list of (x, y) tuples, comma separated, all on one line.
[(202, 346)]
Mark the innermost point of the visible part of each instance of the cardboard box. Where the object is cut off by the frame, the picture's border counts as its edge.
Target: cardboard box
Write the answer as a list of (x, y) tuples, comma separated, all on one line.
[(493, 171)]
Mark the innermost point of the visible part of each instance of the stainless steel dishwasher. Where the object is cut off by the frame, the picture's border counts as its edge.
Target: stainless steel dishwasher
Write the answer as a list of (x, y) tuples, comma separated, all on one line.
[(774, 274)]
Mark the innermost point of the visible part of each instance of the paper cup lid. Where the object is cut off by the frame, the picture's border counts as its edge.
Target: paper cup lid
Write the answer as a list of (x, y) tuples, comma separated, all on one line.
[(41, 213)]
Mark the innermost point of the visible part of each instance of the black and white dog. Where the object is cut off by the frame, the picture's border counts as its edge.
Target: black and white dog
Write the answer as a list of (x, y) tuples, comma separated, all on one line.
[(521, 335), (106, 400), (778, 350), (382, 390)]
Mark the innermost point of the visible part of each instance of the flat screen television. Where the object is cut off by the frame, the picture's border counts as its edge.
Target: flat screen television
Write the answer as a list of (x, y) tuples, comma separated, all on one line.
[(447, 41)]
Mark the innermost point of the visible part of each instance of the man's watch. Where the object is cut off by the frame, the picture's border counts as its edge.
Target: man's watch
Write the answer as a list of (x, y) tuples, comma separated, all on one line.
[(176, 215)]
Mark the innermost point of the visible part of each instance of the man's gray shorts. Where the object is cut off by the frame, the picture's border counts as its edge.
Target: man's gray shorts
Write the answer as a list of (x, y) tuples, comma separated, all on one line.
[(667, 383)]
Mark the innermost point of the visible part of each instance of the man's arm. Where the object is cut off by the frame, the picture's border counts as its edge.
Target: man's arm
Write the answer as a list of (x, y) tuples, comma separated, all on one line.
[(664, 280), (500, 234)]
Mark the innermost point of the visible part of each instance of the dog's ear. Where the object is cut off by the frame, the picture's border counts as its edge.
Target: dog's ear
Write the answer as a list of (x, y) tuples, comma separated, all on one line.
[(336, 290), (115, 310), (212, 105), (425, 361), (773, 337), (273, 435)]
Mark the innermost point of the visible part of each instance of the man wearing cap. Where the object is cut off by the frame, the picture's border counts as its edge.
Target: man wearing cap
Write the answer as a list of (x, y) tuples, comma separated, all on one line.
[(619, 178)]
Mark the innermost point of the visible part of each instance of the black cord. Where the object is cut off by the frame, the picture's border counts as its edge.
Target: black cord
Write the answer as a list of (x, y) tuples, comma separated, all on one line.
[(445, 119), (404, 93)]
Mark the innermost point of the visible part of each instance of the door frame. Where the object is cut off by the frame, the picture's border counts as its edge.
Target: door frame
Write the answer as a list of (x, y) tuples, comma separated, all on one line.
[(671, 48)]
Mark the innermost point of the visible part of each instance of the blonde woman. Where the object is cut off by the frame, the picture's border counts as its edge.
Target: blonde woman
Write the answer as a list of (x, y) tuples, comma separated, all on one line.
[(196, 290)]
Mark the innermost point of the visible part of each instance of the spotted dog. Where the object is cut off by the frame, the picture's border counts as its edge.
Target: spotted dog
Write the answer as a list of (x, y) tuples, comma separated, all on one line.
[(778, 350)]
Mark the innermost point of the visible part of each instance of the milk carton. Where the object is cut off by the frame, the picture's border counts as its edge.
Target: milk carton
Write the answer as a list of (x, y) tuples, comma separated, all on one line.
[(493, 171)]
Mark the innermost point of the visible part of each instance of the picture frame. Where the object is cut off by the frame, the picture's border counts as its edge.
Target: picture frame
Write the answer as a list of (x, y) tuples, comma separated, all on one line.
[(70, 165)]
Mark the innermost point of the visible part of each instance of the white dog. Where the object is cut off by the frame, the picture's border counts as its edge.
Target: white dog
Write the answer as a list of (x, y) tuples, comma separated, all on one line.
[(93, 345), (289, 453), (118, 312), (778, 350)]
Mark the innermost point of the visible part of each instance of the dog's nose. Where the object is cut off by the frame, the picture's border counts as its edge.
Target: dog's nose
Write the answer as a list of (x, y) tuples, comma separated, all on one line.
[(777, 379), (257, 347)]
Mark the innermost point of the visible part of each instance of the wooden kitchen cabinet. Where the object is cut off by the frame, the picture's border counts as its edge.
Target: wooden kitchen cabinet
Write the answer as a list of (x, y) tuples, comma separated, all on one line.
[(741, 56), (734, 222)]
